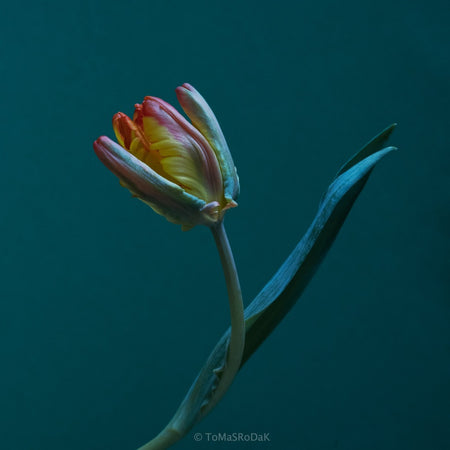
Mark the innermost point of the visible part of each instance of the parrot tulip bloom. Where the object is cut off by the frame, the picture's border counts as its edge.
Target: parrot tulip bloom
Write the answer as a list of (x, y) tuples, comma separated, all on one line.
[(183, 171)]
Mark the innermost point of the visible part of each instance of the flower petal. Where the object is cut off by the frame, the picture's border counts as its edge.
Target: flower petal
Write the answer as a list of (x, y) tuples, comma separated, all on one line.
[(124, 129), (130, 135), (165, 197), (203, 118), (185, 156)]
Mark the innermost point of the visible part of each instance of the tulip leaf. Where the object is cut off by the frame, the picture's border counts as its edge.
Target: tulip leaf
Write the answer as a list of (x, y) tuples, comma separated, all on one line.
[(374, 145), (284, 289), (275, 300)]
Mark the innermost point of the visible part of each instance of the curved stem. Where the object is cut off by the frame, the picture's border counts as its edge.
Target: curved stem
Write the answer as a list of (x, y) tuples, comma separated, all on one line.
[(193, 407), (237, 337)]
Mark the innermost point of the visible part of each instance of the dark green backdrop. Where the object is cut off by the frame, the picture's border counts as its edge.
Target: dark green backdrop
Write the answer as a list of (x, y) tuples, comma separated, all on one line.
[(108, 311)]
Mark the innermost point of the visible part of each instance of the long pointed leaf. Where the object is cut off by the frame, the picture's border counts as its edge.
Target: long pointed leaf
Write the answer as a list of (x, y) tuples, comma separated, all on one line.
[(284, 289), (375, 144)]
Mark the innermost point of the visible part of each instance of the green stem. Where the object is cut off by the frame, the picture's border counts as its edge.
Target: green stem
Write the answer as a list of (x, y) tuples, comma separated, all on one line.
[(237, 337), (193, 407)]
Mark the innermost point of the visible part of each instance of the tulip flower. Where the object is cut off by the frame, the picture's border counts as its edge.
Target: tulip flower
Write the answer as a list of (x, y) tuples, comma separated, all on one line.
[(183, 170)]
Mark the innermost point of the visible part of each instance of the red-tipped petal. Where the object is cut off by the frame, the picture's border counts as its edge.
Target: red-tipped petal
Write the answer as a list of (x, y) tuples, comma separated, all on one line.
[(124, 129), (186, 156)]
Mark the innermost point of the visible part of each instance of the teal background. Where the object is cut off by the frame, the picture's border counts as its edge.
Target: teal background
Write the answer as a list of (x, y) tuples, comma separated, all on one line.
[(107, 311)]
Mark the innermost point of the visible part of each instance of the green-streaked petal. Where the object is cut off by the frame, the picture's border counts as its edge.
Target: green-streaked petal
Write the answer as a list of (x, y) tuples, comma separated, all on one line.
[(165, 197), (203, 118)]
